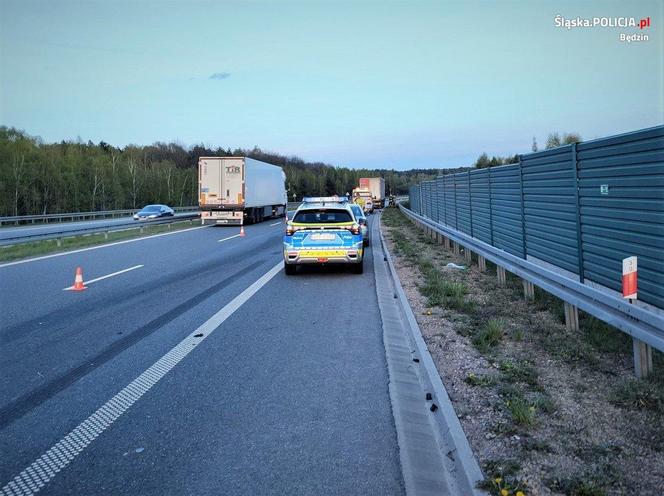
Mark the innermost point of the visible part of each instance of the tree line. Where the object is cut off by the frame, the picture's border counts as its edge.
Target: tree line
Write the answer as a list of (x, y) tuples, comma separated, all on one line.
[(554, 140), (73, 176)]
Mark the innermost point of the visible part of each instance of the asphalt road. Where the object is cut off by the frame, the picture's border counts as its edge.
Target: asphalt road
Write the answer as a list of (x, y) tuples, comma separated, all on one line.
[(44, 230), (288, 395)]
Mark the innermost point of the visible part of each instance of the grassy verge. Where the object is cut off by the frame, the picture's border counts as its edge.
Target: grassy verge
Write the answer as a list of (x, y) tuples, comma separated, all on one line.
[(549, 411), (44, 247)]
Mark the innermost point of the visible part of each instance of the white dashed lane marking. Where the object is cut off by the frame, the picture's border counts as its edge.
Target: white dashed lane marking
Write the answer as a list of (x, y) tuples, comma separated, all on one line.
[(229, 237), (106, 276)]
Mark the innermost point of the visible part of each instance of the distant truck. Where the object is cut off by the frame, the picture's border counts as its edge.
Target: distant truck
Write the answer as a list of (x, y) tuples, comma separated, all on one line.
[(376, 185), (239, 190)]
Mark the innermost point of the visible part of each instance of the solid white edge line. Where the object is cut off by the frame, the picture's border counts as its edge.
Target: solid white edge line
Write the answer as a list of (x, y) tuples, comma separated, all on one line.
[(17, 262), (107, 276), (276, 223), (61, 454), (230, 237)]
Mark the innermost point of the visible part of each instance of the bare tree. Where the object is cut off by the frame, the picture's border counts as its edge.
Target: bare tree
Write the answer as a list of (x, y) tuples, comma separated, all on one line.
[(132, 167), (97, 181), (18, 172)]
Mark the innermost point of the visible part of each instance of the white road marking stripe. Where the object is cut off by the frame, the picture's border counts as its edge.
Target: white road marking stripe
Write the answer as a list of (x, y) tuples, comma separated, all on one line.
[(17, 262), (106, 276), (61, 454), (277, 223), (230, 237)]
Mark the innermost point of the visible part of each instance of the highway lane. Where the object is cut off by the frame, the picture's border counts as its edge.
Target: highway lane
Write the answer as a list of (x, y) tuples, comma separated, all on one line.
[(289, 395), (38, 314), (9, 233)]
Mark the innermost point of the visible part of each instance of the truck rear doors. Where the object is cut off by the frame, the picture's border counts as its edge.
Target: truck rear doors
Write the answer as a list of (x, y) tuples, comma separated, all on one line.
[(222, 181)]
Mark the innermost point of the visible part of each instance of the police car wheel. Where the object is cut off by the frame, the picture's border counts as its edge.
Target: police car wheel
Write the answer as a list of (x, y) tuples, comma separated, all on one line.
[(358, 268), (290, 270)]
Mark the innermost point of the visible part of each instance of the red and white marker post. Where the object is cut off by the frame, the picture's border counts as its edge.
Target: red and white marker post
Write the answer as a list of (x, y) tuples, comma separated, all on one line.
[(642, 351), (629, 278)]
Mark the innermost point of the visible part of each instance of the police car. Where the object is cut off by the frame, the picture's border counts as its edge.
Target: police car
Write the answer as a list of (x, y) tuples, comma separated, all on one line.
[(323, 231)]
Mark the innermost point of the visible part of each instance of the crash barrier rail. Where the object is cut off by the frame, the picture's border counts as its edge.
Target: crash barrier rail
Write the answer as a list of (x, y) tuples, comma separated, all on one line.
[(74, 216), (579, 210), (20, 238)]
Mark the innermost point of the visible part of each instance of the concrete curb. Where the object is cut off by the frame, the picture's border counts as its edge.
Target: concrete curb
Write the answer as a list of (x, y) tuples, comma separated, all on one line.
[(457, 470)]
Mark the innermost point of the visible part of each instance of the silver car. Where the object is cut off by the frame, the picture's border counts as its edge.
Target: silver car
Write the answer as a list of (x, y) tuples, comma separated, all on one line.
[(154, 211), (361, 219)]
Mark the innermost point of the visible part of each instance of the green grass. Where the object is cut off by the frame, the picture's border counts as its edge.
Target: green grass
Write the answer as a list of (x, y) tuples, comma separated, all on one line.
[(640, 395), (518, 371), (501, 474), (543, 403), (482, 380), (603, 337), (598, 477), (392, 217), (565, 345), (576, 486), (489, 335), (25, 250), (521, 410), (533, 444)]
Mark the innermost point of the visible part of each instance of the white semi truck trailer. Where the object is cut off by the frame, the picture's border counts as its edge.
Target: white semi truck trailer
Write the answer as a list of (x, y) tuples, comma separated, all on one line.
[(239, 190), (376, 185)]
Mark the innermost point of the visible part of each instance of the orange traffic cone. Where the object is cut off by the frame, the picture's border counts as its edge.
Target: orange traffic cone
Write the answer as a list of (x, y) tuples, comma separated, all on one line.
[(241, 230), (78, 281)]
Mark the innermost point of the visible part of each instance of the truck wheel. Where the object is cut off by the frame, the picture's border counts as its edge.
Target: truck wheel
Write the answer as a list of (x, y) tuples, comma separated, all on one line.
[(358, 268), (290, 270)]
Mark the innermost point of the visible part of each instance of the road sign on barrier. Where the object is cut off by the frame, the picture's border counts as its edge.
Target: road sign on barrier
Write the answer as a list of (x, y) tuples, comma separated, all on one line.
[(629, 278)]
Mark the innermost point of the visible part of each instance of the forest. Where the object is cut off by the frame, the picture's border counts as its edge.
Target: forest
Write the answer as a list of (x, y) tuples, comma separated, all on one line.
[(74, 176)]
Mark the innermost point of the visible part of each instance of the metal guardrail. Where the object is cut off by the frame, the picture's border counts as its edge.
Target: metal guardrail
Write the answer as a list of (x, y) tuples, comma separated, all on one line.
[(73, 216), (22, 238), (644, 325)]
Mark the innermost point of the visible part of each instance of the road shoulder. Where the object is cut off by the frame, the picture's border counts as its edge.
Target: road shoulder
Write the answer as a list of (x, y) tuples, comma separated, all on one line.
[(435, 455)]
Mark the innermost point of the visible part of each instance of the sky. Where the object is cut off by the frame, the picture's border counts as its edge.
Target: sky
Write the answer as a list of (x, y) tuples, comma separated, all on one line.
[(383, 84)]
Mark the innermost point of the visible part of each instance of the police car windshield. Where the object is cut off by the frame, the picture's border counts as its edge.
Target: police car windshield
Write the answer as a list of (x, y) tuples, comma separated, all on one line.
[(322, 216)]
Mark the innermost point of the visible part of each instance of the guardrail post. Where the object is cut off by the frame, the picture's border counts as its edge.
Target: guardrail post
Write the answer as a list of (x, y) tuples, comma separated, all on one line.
[(446, 243), (578, 212), (468, 255), (481, 261), (141, 229), (58, 242), (528, 290), (457, 249), (106, 235), (642, 358), (502, 277), (571, 317)]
